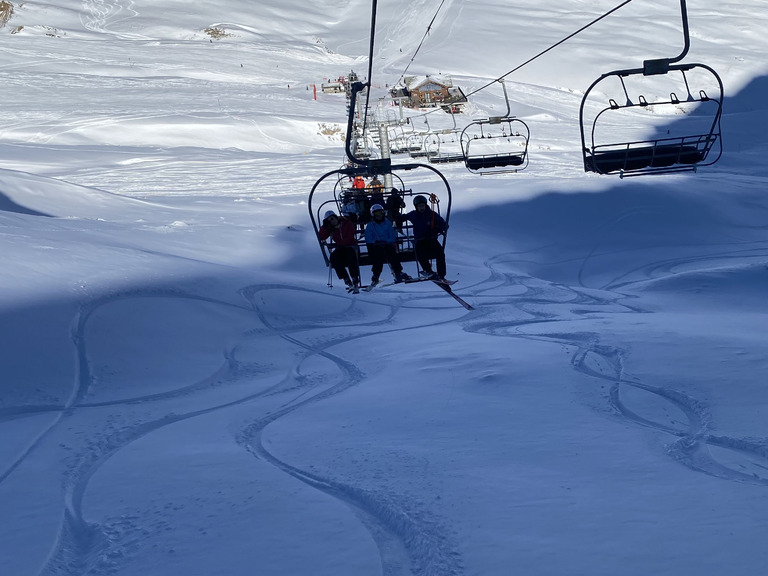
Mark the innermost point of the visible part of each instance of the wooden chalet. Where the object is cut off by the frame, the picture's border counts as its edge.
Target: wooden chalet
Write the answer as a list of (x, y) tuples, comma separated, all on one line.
[(430, 92)]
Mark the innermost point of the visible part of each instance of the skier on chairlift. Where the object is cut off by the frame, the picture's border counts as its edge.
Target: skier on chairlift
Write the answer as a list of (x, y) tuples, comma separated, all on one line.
[(427, 226), (381, 240), (343, 234), (395, 205)]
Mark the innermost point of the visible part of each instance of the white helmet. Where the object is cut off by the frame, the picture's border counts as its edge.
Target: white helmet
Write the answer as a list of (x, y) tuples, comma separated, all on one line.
[(328, 214), (376, 207)]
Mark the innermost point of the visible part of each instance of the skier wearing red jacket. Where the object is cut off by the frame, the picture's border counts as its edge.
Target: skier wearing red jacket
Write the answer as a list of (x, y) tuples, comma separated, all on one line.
[(343, 234)]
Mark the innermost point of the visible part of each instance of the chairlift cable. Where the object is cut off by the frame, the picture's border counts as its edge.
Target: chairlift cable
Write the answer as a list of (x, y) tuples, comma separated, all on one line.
[(552, 47), (429, 28), (579, 31)]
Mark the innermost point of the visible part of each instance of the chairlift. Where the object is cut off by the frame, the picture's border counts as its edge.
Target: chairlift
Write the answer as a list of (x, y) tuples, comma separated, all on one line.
[(397, 140), (333, 191), (441, 151), (402, 140), (420, 142), (414, 143), (391, 118), (496, 144), (691, 95), (441, 145)]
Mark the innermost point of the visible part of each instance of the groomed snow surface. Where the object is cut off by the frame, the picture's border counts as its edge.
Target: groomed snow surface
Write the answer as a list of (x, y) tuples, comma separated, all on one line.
[(183, 395)]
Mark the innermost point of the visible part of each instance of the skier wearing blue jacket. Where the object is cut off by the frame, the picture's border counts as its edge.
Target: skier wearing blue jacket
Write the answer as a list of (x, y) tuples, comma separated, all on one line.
[(380, 238)]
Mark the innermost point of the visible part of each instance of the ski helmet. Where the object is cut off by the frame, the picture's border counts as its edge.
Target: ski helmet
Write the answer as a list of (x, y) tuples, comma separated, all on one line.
[(328, 214), (376, 208), (419, 200)]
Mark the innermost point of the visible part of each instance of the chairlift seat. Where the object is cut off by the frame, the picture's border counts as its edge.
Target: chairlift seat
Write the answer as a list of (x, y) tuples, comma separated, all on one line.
[(494, 161), (649, 155), (445, 158)]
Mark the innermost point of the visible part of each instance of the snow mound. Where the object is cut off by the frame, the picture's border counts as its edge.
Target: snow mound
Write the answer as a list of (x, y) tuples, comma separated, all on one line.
[(29, 194)]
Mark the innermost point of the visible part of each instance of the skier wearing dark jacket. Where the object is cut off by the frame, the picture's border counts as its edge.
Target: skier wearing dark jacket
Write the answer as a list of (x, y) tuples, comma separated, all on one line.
[(427, 225), (395, 204), (343, 234)]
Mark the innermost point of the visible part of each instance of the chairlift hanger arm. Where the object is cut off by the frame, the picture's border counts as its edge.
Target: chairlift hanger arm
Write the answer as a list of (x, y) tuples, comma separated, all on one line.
[(663, 65), (355, 88), (506, 96), (686, 35)]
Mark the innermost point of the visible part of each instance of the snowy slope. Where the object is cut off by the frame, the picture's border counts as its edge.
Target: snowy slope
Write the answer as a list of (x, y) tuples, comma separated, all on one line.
[(183, 394)]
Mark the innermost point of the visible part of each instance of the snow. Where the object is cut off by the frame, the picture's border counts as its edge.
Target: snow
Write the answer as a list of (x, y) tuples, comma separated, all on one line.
[(183, 394)]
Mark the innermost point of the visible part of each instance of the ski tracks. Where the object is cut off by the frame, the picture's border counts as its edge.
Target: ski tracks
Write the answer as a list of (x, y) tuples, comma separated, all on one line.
[(537, 304), (101, 15), (409, 538), (412, 537), (87, 548)]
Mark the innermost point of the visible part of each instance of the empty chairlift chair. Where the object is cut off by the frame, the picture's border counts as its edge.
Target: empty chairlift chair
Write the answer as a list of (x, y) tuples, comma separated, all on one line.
[(496, 144), (616, 139), (444, 146), (660, 118)]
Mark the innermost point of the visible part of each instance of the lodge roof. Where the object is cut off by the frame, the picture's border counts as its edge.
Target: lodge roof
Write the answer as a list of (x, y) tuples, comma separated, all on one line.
[(416, 82)]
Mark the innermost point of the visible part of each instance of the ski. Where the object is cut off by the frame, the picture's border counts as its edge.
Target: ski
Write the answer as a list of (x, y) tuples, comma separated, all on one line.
[(410, 281), (415, 281), (447, 287), (444, 284)]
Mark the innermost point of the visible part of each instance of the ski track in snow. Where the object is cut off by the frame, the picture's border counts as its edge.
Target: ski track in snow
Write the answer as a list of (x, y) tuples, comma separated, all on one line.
[(408, 542), (84, 547), (747, 459), (403, 538), (101, 15), (542, 302), (87, 548)]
